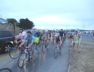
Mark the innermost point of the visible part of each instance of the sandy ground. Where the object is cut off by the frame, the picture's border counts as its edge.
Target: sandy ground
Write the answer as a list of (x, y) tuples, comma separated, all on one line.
[(82, 59)]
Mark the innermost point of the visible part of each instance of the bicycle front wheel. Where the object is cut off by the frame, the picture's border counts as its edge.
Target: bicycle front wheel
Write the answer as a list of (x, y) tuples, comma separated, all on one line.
[(5, 70), (21, 60), (55, 53)]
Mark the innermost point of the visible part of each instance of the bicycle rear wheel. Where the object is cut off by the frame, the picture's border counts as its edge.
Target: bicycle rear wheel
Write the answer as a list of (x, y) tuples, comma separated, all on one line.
[(14, 52), (5, 70)]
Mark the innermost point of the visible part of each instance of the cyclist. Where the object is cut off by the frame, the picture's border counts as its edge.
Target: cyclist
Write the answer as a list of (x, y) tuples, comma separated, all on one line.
[(56, 42), (37, 41), (61, 37), (28, 39), (48, 37), (27, 44), (20, 37), (43, 46), (57, 38)]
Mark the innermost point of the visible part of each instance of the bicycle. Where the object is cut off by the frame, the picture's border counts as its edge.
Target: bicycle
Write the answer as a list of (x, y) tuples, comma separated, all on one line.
[(5, 70), (57, 48), (20, 54), (25, 57), (43, 49), (14, 51)]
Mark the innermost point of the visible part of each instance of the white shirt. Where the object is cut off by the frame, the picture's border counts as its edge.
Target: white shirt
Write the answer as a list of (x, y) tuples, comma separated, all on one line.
[(56, 34)]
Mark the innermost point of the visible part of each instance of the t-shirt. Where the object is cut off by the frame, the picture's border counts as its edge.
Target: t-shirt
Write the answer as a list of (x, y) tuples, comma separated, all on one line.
[(29, 39), (36, 40), (76, 38), (56, 34)]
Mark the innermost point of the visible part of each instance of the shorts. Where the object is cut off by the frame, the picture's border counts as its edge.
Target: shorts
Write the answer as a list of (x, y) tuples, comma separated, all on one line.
[(76, 42), (61, 37)]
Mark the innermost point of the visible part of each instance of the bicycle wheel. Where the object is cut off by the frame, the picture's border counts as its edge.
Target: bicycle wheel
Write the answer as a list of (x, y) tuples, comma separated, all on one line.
[(55, 53), (21, 61), (43, 49), (14, 52), (5, 70), (59, 50)]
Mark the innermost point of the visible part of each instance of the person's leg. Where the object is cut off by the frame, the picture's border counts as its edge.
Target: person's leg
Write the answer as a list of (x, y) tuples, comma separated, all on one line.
[(74, 45), (78, 44), (60, 40), (70, 42)]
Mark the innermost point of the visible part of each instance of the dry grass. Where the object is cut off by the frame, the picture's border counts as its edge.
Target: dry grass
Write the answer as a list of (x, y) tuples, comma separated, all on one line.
[(82, 59)]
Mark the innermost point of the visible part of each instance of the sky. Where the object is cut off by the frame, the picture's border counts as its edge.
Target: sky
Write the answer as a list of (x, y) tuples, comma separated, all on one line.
[(51, 14)]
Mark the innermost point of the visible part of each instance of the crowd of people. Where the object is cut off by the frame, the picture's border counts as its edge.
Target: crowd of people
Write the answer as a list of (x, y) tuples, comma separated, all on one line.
[(75, 39), (40, 37), (40, 40)]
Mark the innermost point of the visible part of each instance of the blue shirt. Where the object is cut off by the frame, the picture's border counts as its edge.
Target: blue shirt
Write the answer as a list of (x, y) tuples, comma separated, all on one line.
[(29, 39)]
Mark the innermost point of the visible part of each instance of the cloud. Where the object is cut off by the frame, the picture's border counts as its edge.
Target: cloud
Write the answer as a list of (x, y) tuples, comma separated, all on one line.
[(56, 22), (55, 19), (51, 13)]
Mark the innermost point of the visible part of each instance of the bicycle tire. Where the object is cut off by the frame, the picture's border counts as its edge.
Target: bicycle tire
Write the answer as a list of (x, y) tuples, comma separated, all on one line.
[(43, 49), (5, 70), (55, 53), (60, 53), (19, 60), (12, 53)]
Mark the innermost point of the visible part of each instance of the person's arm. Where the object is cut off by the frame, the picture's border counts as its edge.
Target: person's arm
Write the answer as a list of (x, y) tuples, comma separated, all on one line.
[(22, 43)]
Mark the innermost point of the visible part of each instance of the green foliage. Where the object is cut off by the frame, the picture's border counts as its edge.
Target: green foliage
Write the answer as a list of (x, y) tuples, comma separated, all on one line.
[(26, 24)]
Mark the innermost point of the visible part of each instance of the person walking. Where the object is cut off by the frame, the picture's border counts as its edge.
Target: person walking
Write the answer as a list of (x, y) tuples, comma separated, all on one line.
[(76, 39)]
